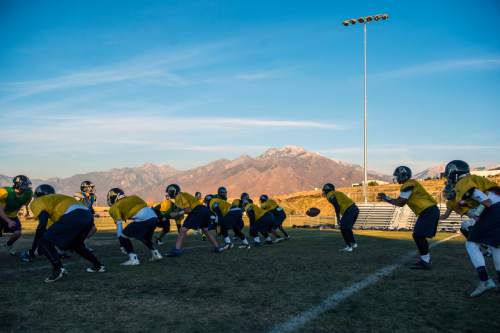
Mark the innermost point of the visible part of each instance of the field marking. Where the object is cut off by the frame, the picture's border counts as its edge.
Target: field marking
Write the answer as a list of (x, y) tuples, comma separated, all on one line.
[(336, 298), (109, 240)]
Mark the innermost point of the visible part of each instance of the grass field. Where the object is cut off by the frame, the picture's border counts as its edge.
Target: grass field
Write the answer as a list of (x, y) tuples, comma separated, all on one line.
[(250, 290)]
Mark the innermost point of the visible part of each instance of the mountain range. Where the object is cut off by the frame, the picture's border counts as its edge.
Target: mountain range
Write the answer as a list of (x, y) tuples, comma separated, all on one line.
[(276, 171)]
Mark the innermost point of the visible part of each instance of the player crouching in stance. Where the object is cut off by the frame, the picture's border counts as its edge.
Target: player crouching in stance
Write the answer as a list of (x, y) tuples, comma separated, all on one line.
[(423, 205), (272, 206), (165, 211), (71, 223), (486, 229), (198, 217), (346, 212), (11, 200), (228, 218), (261, 221), (142, 227), (88, 198)]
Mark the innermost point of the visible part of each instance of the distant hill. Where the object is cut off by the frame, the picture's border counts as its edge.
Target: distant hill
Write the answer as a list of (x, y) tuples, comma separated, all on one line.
[(276, 171)]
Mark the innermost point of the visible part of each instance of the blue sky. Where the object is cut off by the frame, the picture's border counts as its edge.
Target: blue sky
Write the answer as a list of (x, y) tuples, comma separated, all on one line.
[(91, 85)]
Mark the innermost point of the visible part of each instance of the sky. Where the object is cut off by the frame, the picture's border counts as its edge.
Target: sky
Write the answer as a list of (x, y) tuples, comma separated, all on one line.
[(93, 85)]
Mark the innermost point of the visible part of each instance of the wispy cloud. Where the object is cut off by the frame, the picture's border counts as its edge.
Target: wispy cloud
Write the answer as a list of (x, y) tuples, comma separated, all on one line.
[(442, 66)]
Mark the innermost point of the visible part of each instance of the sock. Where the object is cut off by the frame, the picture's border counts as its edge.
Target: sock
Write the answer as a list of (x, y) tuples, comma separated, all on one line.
[(475, 255), (483, 275), (426, 257), (256, 239), (227, 240)]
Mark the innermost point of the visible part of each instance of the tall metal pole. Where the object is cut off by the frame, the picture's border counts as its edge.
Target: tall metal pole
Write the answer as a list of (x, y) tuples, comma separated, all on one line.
[(365, 162)]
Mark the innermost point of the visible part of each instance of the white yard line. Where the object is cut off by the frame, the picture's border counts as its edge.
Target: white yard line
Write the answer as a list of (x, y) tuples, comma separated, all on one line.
[(334, 299)]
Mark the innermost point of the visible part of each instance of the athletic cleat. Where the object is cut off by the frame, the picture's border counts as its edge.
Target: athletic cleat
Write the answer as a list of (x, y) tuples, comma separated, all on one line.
[(244, 246), (482, 287), (132, 261), (25, 256), (346, 249), (278, 240), (174, 253), (56, 275), (220, 249), (228, 246), (96, 269), (354, 245), (421, 265), (155, 256)]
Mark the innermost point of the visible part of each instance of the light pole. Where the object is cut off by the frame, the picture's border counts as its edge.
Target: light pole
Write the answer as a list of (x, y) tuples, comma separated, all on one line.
[(365, 20)]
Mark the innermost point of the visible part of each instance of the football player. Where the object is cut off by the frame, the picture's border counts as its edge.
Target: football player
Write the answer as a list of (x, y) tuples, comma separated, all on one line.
[(164, 212), (346, 213), (197, 195), (142, 226), (425, 208), (222, 193), (228, 218), (88, 198), (198, 217), (62, 222), (272, 206), (486, 229), (261, 222), (12, 198)]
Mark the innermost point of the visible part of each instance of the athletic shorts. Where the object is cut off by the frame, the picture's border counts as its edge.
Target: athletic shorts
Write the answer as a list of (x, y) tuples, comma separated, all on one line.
[(141, 230), (427, 221), (70, 230), (279, 215), (4, 226), (233, 220), (199, 217), (349, 218), (487, 229)]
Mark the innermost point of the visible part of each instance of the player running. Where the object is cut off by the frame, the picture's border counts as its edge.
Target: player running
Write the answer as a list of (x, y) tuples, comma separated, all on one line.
[(272, 206), (12, 199), (64, 223), (346, 213), (423, 205), (486, 229), (142, 226), (198, 217)]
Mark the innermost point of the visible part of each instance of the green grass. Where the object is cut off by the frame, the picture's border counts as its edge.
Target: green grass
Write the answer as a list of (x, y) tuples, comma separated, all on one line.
[(249, 290)]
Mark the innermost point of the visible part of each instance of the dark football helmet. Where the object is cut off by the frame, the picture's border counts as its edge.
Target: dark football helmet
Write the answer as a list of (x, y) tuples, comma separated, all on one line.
[(222, 193), (263, 198), (402, 174), (87, 186), (21, 183), (43, 189), (455, 169), (114, 195), (327, 188), (172, 190)]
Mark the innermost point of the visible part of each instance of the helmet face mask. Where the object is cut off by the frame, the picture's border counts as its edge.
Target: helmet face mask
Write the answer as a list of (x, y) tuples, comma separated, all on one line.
[(21, 183), (402, 174), (327, 188), (222, 192), (456, 169), (44, 189), (449, 191), (114, 195), (172, 190)]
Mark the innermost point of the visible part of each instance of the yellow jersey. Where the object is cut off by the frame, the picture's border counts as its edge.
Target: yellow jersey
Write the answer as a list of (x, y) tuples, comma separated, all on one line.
[(223, 205), (259, 212), (236, 203), (269, 205), (53, 204), (470, 182), (126, 208), (343, 200), (185, 200), (461, 209), (419, 199)]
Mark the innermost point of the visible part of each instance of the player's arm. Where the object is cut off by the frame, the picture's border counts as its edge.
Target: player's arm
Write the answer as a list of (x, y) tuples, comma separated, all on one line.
[(481, 198), (399, 201), (4, 216), (336, 206), (43, 219), (446, 214)]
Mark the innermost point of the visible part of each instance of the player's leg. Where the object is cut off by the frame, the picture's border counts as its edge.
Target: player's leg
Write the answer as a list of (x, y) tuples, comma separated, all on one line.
[(495, 253), (48, 249), (477, 260), (15, 235), (147, 238), (346, 224), (425, 227)]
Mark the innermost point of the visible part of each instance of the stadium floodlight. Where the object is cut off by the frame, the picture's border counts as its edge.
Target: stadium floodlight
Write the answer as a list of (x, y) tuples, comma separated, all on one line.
[(365, 20)]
